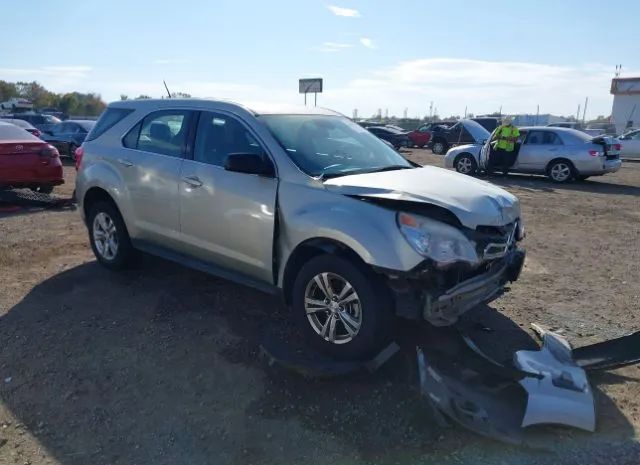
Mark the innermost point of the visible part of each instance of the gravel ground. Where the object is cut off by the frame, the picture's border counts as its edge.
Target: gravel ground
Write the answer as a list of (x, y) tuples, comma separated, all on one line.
[(160, 364)]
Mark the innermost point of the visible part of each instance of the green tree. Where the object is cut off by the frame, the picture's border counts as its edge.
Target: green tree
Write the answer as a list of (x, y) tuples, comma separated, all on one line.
[(68, 104), (124, 97), (7, 90), (142, 97)]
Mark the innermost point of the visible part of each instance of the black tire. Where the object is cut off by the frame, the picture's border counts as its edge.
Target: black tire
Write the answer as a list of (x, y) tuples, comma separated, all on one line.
[(125, 252), (465, 163), (374, 309), (44, 189), (439, 147), (561, 165)]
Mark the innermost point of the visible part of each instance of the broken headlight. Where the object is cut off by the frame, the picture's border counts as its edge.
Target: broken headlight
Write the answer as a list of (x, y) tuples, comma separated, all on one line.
[(438, 241)]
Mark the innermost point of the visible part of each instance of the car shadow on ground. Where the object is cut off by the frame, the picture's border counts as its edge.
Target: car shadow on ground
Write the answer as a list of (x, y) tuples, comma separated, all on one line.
[(542, 184), (161, 364)]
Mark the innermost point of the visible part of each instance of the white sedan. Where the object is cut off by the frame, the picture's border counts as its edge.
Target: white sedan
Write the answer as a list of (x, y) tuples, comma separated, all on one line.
[(561, 154), (630, 144)]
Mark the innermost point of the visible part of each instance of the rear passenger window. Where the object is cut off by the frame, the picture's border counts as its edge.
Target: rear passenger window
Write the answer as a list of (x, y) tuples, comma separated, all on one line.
[(551, 138), (109, 118), (163, 132), (219, 135)]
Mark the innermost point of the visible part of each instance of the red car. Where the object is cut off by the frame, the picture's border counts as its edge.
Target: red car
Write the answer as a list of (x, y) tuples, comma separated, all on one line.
[(26, 161), (420, 136)]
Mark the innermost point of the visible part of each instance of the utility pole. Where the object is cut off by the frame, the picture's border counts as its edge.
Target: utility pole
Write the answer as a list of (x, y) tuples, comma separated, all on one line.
[(406, 111), (537, 115), (584, 111), (431, 111), (578, 113), (465, 112)]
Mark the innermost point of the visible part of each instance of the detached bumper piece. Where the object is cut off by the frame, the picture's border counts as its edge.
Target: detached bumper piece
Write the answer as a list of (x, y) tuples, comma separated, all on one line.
[(545, 386)]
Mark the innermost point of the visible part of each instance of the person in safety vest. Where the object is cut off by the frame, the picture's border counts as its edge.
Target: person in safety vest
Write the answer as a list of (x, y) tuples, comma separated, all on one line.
[(503, 145)]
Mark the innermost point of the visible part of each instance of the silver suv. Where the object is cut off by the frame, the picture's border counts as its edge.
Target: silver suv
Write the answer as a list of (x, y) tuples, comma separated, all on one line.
[(301, 202)]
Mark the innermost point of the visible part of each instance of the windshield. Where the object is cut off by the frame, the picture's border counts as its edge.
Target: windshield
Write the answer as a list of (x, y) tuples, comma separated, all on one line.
[(330, 146), (476, 130)]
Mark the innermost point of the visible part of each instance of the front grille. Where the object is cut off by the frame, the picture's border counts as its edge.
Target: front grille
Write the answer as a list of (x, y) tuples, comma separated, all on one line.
[(494, 241)]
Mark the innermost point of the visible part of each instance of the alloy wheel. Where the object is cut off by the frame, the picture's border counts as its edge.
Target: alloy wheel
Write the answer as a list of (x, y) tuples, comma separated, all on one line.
[(560, 172), (465, 165), (105, 236), (438, 148), (333, 308)]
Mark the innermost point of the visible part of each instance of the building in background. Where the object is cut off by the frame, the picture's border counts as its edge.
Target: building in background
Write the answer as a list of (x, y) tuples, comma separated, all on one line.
[(536, 120), (626, 103)]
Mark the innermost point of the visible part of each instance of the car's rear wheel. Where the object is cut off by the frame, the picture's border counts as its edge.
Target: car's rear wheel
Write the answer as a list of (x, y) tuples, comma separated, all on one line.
[(560, 171), (439, 147), (466, 164), (108, 235), (341, 307)]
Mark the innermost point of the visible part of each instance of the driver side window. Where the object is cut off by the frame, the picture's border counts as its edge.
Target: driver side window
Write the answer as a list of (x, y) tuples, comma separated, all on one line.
[(219, 135)]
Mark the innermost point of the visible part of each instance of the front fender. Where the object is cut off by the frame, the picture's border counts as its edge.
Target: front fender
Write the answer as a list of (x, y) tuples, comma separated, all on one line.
[(308, 212)]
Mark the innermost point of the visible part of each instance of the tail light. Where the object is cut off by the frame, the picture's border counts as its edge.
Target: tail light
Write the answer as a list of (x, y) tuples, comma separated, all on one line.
[(617, 146), (79, 153), (49, 151), (594, 153)]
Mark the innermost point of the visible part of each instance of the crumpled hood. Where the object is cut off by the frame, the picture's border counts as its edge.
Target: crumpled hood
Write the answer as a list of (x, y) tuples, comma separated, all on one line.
[(473, 201)]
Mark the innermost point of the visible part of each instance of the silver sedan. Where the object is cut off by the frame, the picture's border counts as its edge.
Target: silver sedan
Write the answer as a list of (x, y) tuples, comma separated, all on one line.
[(561, 154)]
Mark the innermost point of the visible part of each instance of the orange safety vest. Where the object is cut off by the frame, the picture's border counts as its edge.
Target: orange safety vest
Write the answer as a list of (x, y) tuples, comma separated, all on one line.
[(501, 135)]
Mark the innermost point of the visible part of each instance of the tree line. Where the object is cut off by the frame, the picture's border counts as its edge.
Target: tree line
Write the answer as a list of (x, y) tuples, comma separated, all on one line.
[(71, 103)]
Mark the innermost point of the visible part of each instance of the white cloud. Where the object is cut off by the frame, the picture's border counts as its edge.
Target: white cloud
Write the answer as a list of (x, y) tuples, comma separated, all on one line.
[(482, 86), (451, 83), (64, 72), (346, 12), (367, 42), (332, 47)]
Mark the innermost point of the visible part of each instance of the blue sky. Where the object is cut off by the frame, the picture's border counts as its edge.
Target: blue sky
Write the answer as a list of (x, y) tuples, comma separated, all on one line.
[(372, 54)]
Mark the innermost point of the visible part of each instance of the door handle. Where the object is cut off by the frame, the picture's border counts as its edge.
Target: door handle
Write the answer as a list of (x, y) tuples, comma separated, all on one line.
[(193, 181), (125, 162)]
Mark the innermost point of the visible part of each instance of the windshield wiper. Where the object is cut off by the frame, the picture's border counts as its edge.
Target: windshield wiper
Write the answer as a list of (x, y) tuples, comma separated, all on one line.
[(379, 169), (386, 168)]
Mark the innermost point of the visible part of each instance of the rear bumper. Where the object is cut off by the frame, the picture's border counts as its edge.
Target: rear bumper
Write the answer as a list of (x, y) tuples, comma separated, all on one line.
[(603, 167)]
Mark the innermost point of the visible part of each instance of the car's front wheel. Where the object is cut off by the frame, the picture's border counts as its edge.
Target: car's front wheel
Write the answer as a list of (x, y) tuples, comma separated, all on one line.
[(108, 235), (466, 164), (342, 307)]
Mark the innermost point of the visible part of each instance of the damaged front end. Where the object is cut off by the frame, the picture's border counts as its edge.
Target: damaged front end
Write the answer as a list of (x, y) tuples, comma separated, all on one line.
[(463, 268)]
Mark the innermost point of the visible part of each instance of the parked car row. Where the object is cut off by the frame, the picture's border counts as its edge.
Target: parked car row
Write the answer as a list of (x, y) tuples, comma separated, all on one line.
[(66, 136)]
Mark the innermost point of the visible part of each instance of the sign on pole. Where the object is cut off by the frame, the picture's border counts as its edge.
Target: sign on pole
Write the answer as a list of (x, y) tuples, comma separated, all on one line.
[(307, 86)]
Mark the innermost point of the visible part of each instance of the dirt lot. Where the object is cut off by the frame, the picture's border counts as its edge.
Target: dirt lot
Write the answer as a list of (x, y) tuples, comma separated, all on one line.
[(159, 365)]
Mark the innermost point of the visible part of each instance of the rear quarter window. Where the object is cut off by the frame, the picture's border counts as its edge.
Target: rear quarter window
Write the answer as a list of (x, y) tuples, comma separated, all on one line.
[(109, 118)]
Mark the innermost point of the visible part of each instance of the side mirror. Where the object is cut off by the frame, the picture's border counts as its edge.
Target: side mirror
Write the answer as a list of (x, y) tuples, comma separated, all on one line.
[(249, 163)]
